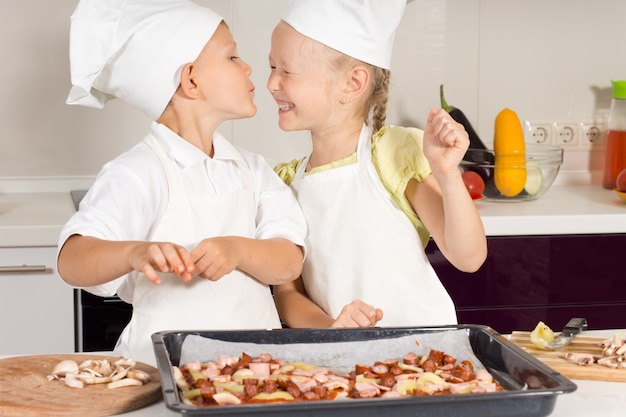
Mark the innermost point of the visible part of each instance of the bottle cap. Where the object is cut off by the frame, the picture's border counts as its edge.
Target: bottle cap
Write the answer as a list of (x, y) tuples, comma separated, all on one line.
[(619, 89)]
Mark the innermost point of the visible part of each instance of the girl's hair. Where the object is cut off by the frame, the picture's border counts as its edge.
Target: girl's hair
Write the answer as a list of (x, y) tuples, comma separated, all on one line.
[(374, 104), (377, 99)]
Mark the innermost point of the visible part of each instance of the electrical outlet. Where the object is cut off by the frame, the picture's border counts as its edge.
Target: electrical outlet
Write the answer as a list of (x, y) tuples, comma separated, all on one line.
[(539, 131), (571, 134), (566, 133), (592, 133)]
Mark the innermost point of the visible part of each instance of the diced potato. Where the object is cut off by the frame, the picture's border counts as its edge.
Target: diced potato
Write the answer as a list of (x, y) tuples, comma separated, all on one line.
[(273, 396), (230, 386), (406, 387), (362, 379), (303, 365), (414, 368)]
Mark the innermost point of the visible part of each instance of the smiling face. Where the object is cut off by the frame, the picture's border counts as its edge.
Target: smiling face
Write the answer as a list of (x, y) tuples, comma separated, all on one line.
[(306, 92), (225, 78)]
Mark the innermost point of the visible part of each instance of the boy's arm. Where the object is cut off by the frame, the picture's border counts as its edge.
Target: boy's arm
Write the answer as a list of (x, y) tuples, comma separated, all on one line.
[(87, 261)]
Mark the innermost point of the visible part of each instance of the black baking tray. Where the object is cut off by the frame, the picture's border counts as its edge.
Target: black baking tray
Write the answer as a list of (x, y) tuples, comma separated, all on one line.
[(531, 387)]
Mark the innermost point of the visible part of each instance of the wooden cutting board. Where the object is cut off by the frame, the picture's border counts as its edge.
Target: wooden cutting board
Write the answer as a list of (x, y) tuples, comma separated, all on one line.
[(25, 390), (554, 359)]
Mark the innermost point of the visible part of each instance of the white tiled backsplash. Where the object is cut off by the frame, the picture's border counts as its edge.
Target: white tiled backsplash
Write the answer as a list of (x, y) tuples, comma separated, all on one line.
[(544, 59)]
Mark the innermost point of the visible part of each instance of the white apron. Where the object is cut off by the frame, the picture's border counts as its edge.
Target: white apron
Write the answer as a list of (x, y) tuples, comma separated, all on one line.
[(362, 246), (236, 301)]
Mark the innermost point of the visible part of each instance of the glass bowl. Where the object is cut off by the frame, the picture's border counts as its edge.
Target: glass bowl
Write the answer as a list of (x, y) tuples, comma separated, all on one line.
[(542, 164)]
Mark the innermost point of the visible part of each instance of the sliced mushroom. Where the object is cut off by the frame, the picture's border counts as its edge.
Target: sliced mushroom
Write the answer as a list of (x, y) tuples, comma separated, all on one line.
[(120, 373), (89, 372), (91, 379), (65, 367), (126, 382), (72, 381), (139, 375)]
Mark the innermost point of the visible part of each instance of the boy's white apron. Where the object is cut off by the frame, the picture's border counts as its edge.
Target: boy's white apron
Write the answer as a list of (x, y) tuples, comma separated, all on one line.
[(236, 301), (361, 246)]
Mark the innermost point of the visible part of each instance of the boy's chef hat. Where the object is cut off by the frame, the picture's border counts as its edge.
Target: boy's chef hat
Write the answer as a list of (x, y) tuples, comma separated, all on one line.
[(134, 50), (362, 29)]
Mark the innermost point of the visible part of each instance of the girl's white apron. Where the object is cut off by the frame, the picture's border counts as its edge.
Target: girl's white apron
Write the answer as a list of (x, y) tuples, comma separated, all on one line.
[(236, 301), (362, 246)]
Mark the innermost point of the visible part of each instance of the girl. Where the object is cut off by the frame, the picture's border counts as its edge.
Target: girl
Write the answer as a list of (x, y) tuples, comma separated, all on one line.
[(185, 226), (371, 194)]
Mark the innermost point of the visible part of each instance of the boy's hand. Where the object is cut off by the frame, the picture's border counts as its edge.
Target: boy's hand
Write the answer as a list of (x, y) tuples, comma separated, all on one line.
[(445, 141), (149, 258), (358, 314), (214, 257)]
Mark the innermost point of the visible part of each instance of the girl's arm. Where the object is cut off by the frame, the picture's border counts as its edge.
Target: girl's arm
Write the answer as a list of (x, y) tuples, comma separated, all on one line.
[(442, 202), (271, 261), (296, 309)]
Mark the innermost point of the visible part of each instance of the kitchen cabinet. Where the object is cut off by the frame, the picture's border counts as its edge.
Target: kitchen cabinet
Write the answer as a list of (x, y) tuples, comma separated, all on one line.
[(550, 278), (36, 306)]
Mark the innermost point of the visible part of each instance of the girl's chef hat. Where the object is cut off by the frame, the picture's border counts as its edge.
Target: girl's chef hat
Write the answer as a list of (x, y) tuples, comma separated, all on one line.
[(362, 29), (134, 50)]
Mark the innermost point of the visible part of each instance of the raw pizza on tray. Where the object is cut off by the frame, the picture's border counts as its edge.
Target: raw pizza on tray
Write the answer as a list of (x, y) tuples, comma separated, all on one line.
[(246, 379)]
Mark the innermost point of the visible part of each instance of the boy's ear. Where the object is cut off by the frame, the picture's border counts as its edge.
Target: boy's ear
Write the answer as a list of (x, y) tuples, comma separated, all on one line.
[(188, 85), (358, 81)]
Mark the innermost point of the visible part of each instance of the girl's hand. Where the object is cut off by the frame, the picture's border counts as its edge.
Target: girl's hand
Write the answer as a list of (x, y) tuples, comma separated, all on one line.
[(150, 257), (214, 257), (445, 141), (358, 314)]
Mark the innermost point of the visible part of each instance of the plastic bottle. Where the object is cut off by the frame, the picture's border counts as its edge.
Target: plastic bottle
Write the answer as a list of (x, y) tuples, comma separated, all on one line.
[(615, 148)]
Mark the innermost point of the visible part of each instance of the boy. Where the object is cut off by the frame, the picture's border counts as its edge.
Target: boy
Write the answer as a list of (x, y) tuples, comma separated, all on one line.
[(185, 226)]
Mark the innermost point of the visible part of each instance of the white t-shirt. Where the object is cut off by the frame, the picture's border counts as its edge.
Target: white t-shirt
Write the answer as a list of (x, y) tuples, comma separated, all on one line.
[(130, 194)]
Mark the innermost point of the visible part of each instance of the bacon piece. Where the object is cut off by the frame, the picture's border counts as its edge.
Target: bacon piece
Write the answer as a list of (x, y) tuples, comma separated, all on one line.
[(581, 359)]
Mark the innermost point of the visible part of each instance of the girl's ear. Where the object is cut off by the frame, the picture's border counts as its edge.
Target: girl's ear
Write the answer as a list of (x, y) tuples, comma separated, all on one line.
[(358, 81), (188, 85)]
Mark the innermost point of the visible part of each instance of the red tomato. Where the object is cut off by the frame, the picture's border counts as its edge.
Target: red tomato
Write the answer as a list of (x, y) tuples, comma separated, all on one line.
[(620, 183), (474, 184)]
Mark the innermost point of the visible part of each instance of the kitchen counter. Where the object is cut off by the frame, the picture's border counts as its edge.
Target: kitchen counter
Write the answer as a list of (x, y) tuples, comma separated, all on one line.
[(563, 209), (33, 210), (33, 219), (591, 398), (569, 207)]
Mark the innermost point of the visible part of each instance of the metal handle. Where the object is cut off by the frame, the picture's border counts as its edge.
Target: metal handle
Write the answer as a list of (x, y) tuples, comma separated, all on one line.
[(23, 268), (575, 326)]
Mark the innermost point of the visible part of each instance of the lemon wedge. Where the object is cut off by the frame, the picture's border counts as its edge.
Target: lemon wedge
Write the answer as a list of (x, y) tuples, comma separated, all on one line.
[(542, 336), (534, 181)]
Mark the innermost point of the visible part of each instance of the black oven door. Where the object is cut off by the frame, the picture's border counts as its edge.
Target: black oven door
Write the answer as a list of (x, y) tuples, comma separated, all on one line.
[(99, 321)]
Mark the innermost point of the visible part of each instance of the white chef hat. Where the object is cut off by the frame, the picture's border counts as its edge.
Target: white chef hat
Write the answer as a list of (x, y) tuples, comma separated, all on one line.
[(362, 29), (134, 50)]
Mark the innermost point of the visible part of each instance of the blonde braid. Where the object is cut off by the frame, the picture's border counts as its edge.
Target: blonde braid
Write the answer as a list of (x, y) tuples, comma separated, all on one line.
[(376, 103)]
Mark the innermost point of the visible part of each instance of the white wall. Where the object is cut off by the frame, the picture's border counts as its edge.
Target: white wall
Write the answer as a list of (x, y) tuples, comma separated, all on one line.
[(542, 58)]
